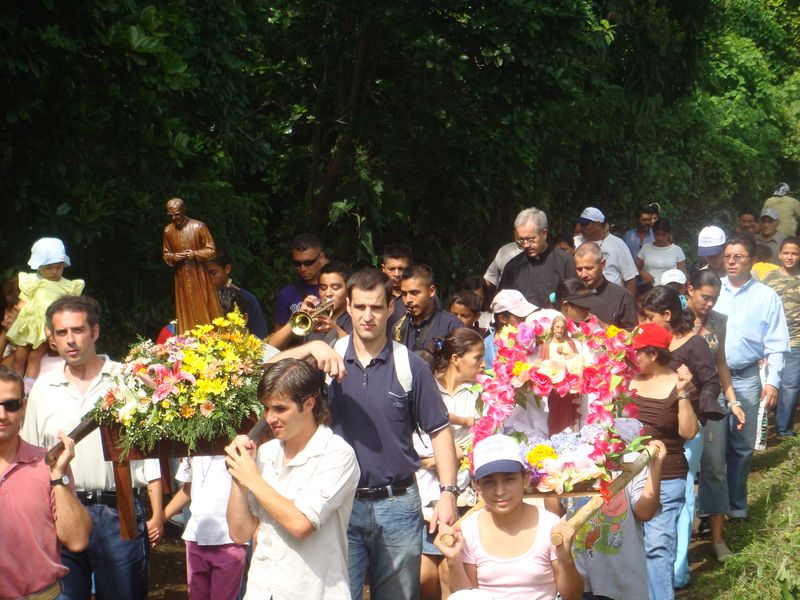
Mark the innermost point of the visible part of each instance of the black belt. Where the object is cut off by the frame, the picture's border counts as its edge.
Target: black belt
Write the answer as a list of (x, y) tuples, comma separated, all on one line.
[(748, 371), (385, 491), (107, 498)]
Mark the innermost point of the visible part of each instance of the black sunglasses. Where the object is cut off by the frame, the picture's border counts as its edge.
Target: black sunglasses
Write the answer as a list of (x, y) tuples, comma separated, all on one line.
[(306, 263), (12, 405)]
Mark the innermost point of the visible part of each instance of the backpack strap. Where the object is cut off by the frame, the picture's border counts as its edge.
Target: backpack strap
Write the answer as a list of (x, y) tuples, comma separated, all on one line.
[(402, 366)]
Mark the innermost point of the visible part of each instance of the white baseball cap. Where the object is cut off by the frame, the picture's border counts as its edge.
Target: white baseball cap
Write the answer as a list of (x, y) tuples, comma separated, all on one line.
[(672, 276), (48, 251), (770, 212), (591, 214), (514, 302), (711, 241), (496, 454)]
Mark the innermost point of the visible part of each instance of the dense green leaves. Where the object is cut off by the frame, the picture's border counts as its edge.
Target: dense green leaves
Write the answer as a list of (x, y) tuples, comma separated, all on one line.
[(373, 122)]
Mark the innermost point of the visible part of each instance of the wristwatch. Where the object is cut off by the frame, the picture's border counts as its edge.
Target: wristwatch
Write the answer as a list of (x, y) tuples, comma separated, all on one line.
[(63, 480), (453, 489)]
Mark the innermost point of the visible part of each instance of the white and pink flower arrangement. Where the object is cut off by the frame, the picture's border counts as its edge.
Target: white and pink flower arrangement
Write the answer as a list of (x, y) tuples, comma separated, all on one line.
[(603, 372), (200, 385)]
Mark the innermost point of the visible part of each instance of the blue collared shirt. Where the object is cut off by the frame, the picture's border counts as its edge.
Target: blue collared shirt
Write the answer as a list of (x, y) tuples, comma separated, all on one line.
[(756, 327), (372, 412), (631, 239)]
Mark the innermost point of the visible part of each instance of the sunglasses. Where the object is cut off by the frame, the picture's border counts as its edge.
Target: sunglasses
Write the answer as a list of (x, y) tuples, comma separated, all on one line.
[(306, 263), (12, 405)]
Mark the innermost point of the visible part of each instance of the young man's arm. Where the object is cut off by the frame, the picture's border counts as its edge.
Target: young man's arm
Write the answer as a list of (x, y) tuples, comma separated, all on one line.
[(246, 477), (73, 523), (444, 454)]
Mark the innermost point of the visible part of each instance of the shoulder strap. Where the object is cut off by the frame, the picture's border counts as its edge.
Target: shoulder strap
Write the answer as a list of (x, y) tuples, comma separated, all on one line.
[(341, 347), (402, 366)]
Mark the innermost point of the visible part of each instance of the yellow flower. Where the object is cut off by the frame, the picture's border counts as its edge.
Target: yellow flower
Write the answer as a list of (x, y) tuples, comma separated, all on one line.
[(519, 367), (221, 322), (236, 318), (539, 453), (612, 331)]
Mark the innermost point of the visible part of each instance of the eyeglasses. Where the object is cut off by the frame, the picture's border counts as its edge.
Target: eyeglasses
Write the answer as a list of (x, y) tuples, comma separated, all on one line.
[(306, 263), (526, 241), (735, 257), (12, 405)]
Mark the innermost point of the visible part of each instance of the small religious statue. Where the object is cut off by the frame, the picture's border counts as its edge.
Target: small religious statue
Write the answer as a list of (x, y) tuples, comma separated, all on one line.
[(560, 345), (187, 246)]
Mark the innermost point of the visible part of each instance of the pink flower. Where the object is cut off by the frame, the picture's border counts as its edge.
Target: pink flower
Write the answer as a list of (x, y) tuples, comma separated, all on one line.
[(598, 413), (542, 385), (526, 337), (166, 380), (601, 448), (631, 411), (207, 408)]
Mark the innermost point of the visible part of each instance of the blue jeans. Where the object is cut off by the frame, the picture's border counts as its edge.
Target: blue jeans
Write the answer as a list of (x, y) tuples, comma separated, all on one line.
[(693, 450), (713, 490), (739, 451), (386, 535), (661, 540), (787, 395), (120, 567)]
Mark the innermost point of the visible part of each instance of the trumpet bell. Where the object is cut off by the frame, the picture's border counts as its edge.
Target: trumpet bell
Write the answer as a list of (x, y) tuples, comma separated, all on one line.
[(302, 322)]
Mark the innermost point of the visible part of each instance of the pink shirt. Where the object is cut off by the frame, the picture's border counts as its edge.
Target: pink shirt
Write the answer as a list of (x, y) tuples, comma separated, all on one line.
[(529, 576), (31, 560)]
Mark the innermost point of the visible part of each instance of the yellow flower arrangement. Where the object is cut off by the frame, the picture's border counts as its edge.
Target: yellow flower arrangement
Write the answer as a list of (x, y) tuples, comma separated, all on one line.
[(199, 385)]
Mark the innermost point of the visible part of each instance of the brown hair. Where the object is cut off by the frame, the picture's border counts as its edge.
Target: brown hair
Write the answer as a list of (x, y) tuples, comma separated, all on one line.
[(296, 380), (368, 279), (458, 341), (11, 376), (83, 304)]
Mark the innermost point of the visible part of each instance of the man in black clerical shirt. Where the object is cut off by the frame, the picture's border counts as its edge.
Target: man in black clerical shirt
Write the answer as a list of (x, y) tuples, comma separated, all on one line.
[(537, 271)]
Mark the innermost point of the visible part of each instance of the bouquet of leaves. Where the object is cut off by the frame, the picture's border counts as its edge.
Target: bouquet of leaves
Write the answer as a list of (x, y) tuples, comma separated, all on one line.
[(197, 386)]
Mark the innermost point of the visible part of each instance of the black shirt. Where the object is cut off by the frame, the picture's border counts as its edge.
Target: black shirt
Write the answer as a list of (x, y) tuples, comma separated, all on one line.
[(618, 308), (420, 336), (695, 354), (536, 277)]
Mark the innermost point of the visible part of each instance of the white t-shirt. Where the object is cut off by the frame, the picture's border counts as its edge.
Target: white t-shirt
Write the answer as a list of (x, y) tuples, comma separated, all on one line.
[(658, 259), (529, 576), (321, 481), (619, 262), (211, 486), (504, 254)]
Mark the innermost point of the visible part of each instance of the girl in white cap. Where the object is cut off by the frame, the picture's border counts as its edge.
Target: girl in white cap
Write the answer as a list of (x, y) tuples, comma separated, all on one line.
[(505, 548), (37, 291)]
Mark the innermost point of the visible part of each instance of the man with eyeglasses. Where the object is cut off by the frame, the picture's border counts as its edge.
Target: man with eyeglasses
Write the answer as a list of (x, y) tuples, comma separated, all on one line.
[(540, 267), (756, 330), (39, 511), (58, 401), (308, 257)]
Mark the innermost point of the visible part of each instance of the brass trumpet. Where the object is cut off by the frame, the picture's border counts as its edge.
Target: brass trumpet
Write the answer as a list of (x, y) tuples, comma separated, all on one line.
[(302, 322)]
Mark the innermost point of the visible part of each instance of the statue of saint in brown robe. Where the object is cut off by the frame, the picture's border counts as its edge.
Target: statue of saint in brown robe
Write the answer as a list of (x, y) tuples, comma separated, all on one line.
[(187, 246)]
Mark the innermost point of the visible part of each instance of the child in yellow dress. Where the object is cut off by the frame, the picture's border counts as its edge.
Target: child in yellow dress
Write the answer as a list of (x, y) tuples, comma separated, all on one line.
[(37, 291)]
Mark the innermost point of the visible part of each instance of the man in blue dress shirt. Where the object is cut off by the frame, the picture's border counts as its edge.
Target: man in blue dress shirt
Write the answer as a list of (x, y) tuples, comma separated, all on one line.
[(756, 330)]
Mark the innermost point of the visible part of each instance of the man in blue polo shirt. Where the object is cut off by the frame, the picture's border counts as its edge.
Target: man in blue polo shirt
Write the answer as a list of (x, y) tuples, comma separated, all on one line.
[(376, 415), (756, 329)]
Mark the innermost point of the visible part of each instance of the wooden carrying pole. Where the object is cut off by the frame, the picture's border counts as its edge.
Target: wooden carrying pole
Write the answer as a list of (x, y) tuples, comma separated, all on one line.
[(596, 502)]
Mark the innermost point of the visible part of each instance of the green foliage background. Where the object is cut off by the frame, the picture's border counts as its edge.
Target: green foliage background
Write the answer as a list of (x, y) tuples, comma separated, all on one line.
[(372, 122)]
